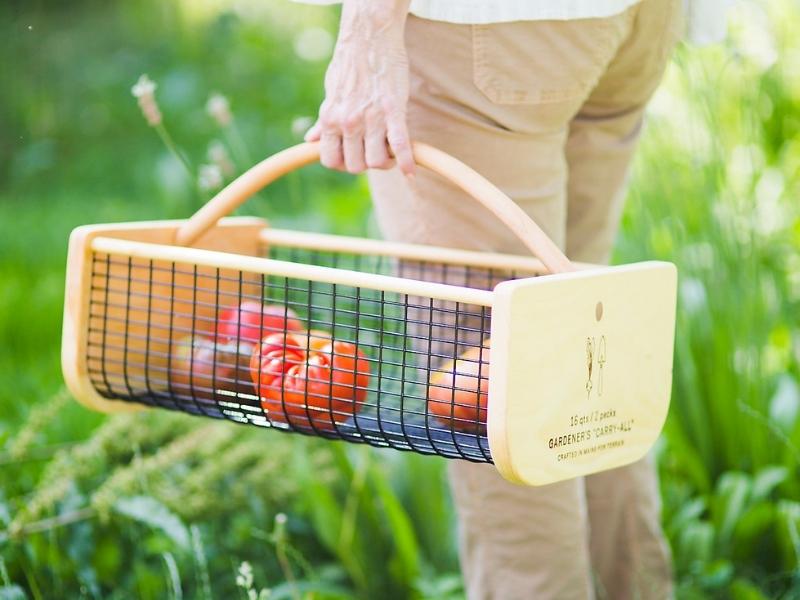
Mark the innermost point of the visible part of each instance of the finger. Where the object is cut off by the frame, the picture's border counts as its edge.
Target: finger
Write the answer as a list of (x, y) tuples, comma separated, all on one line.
[(397, 135), (330, 151), (353, 146), (376, 152), (313, 134)]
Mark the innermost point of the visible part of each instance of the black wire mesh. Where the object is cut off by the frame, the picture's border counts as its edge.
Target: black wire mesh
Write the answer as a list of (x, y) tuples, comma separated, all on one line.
[(341, 362)]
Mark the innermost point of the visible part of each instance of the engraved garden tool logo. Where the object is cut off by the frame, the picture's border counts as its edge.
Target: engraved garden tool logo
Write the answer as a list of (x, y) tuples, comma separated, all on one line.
[(601, 361), (589, 363), (593, 347)]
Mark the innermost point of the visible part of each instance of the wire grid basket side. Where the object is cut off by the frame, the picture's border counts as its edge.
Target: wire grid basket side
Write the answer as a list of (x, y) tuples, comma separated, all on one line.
[(153, 341)]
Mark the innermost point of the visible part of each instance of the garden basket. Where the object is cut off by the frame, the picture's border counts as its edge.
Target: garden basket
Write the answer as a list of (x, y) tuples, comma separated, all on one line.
[(547, 369)]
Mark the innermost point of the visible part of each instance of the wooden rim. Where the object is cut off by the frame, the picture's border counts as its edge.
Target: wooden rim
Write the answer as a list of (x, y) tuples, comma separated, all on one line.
[(452, 169), (282, 268)]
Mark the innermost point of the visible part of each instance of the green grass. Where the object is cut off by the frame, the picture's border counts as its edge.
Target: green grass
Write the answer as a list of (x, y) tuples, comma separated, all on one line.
[(134, 506)]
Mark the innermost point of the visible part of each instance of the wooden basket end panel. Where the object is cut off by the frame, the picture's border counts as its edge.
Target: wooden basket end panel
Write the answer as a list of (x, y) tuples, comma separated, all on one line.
[(238, 235), (581, 370), (73, 334)]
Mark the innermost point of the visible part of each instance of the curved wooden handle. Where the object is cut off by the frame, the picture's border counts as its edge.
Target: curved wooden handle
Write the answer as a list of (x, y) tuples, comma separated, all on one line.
[(426, 156)]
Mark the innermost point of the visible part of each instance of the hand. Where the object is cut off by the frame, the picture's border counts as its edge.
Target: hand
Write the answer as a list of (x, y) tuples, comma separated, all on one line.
[(362, 121)]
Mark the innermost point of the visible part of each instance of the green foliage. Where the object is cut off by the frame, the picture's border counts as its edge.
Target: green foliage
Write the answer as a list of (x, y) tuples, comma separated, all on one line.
[(156, 504), (715, 192)]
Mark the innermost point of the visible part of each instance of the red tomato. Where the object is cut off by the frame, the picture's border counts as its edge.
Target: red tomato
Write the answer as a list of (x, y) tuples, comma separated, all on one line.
[(309, 390), (458, 394), (250, 321), (269, 361), (350, 370)]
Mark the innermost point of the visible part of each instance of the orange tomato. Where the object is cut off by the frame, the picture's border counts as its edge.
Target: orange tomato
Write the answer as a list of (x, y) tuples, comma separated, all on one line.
[(458, 393), (314, 339)]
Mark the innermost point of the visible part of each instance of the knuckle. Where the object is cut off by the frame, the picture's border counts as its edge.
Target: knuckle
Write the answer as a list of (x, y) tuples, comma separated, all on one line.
[(399, 143), (373, 116), (326, 115), (351, 123), (391, 106)]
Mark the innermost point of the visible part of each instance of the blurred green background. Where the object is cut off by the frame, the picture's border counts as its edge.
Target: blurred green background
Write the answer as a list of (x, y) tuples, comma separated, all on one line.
[(165, 506)]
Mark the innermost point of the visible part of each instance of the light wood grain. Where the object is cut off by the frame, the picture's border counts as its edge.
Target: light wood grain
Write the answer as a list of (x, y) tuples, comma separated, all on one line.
[(125, 296), (544, 423), (540, 329), (474, 184), (267, 266), (324, 242)]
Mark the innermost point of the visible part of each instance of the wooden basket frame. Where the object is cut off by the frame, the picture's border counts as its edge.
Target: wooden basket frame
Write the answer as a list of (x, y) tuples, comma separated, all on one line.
[(543, 426)]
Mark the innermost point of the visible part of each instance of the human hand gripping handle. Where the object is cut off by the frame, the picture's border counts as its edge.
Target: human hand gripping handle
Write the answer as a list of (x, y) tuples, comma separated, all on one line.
[(362, 121)]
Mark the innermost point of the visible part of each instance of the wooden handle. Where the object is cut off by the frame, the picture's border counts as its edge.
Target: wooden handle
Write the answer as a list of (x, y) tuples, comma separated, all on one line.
[(426, 156)]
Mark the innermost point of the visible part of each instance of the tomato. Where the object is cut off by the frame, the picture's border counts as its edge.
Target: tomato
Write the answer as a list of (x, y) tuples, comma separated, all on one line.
[(316, 339), (458, 393), (250, 321), (350, 370), (202, 368), (270, 360), (310, 382)]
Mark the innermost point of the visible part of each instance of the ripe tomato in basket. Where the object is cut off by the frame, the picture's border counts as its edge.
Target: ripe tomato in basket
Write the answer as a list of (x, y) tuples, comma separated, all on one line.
[(458, 393), (251, 320), (308, 381), (206, 369)]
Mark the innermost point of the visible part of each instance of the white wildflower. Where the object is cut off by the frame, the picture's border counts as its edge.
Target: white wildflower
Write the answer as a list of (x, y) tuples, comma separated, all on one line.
[(145, 93), (218, 155), (245, 577), (209, 177), (300, 125), (219, 109)]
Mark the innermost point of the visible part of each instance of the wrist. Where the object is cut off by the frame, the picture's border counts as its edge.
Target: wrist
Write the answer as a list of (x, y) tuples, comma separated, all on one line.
[(372, 17)]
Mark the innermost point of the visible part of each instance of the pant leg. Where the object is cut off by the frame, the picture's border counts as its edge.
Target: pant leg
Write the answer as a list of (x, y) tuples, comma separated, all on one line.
[(475, 95), (605, 131), (629, 555)]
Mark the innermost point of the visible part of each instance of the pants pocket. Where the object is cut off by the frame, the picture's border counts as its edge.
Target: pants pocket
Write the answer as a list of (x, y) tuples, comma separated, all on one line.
[(532, 62)]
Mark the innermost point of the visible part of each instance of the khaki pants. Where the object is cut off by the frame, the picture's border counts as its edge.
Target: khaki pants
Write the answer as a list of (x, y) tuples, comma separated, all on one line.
[(550, 111)]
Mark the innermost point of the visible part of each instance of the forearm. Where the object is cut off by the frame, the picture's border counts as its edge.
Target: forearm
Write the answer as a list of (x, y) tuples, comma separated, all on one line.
[(362, 120)]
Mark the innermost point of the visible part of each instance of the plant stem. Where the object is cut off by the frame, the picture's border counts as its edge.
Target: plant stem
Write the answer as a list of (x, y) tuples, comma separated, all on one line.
[(4, 578), (350, 510), (49, 523), (236, 142), (173, 148), (202, 563), (286, 567), (35, 454)]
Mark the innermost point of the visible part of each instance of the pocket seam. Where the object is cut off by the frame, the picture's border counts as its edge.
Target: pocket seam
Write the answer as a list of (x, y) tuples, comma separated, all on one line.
[(485, 82)]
